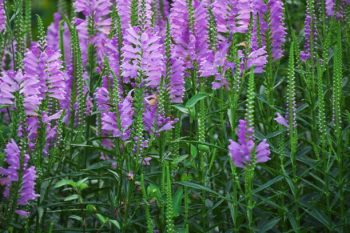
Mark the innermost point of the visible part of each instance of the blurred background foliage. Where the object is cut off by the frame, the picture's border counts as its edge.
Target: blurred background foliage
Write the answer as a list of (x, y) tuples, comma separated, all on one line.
[(44, 8)]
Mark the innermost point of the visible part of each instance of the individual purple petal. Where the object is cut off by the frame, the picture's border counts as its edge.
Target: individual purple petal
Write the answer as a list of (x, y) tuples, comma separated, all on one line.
[(22, 213), (281, 120), (147, 161)]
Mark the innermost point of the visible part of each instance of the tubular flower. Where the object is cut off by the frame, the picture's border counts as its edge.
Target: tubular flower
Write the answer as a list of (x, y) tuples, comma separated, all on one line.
[(177, 80), (112, 52), (257, 59), (110, 124), (244, 149), (142, 54), (281, 120), (308, 33), (27, 86), (277, 27), (153, 121), (51, 129), (2, 16), (102, 99), (216, 65)]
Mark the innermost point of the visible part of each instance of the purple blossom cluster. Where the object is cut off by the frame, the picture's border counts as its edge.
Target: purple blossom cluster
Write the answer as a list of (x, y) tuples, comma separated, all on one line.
[(11, 175), (244, 151), (336, 8)]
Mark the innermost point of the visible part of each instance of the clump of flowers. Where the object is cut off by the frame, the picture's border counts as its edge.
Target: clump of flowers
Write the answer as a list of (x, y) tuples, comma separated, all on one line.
[(245, 151), (18, 171)]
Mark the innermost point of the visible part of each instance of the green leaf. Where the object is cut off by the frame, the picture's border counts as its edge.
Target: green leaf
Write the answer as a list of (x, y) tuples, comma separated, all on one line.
[(177, 199), (199, 187), (116, 176), (269, 225), (268, 184), (153, 191), (81, 184), (101, 218), (194, 100), (181, 108), (64, 182), (115, 223), (72, 197), (293, 222), (319, 216), (179, 159), (75, 217)]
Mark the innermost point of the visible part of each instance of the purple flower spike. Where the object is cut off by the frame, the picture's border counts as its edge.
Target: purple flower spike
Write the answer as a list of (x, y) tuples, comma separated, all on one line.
[(46, 67), (53, 32), (330, 7), (27, 192), (177, 80), (278, 29), (142, 53), (12, 82), (242, 150), (96, 8), (2, 16), (10, 175)]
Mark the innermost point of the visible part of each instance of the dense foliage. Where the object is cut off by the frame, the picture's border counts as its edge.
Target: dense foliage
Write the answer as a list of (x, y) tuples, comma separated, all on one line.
[(182, 116)]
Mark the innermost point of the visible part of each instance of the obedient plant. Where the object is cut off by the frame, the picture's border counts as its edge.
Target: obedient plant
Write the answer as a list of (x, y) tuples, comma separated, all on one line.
[(244, 151), (2, 16), (18, 177), (121, 113)]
